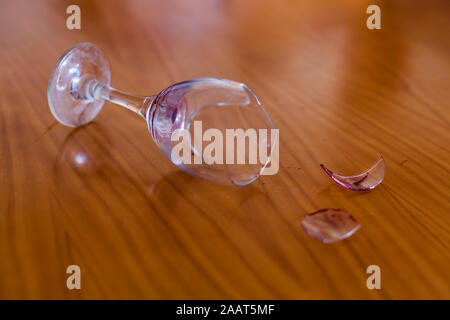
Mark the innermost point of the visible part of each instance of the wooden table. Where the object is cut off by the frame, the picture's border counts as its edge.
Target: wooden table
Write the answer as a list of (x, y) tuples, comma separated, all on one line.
[(105, 198)]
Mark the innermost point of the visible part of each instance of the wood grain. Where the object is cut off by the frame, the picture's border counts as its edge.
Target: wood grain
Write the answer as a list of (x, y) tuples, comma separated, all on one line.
[(139, 228)]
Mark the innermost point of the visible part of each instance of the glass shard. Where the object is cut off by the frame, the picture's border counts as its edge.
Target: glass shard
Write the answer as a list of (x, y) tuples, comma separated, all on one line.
[(330, 225), (364, 181)]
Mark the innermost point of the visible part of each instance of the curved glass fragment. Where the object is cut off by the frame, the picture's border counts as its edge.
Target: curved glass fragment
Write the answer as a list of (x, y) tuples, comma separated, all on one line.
[(364, 181), (330, 225)]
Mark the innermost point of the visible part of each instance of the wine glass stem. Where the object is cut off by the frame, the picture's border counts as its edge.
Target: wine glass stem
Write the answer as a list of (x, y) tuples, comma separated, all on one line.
[(138, 104)]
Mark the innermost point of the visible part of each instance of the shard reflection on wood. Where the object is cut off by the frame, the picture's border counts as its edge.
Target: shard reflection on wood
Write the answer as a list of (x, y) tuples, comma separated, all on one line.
[(330, 225), (364, 181)]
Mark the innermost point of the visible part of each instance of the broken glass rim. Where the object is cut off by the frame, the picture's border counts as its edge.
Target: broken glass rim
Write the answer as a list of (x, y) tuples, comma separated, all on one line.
[(336, 177)]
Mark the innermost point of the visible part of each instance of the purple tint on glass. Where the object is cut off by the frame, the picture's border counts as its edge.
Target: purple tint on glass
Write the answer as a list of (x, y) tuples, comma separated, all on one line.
[(330, 225), (364, 181)]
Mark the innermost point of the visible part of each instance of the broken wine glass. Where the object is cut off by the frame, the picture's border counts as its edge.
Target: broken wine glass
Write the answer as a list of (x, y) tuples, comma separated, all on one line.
[(80, 85)]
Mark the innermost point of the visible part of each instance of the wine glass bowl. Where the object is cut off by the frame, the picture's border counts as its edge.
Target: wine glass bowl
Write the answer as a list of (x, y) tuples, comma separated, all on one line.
[(200, 106)]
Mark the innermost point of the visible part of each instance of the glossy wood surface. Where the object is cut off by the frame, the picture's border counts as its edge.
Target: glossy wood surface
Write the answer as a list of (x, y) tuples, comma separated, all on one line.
[(104, 197)]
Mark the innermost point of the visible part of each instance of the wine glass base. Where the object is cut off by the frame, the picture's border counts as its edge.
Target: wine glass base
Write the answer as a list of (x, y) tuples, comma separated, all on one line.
[(68, 104)]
